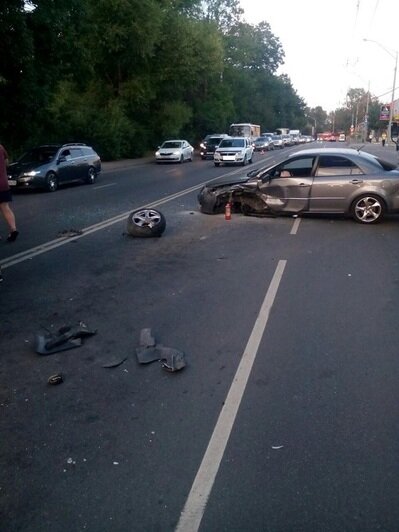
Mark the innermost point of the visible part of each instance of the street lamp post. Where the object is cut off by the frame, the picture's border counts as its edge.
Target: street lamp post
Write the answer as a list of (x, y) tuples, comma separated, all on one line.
[(395, 57)]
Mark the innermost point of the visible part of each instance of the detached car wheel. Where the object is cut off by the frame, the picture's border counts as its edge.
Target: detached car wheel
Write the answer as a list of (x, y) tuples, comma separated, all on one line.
[(146, 223), (368, 209)]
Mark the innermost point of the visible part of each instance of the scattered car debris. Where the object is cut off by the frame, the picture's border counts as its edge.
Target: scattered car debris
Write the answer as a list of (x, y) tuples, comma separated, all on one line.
[(277, 447), (146, 223), (149, 351), (173, 359), (115, 363), (70, 233), (55, 379), (67, 337)]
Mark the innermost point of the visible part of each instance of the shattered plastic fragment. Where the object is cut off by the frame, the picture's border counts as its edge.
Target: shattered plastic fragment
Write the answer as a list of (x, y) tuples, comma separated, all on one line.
[(115, 363), (150, 351), (146, 338), (173, 360), (67, 337), (70, 233)]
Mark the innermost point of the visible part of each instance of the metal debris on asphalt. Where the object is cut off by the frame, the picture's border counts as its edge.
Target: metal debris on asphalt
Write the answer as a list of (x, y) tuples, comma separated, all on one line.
[(55, 379)]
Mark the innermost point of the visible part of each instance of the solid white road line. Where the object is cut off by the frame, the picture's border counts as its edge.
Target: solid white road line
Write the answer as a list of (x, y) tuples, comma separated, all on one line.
[(295, 226), (104, 186), (196, 502), (52, 244)]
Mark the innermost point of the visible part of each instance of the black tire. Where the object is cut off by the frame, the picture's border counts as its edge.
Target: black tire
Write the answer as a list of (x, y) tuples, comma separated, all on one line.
[(146, 223), (91, 175), (368, 209), (210, 204), (217, 164), (181, 159), (51, 182)]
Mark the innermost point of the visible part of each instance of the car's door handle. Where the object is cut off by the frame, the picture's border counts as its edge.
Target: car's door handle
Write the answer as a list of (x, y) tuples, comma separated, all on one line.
[(303, 184), (356, 181)]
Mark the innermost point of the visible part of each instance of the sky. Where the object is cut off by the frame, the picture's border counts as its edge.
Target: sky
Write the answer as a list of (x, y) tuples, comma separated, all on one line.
[(325, 53)]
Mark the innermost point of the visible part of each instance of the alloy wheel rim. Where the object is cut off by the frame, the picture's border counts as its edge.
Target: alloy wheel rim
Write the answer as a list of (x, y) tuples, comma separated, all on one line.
[(368, 209), (146, 218)]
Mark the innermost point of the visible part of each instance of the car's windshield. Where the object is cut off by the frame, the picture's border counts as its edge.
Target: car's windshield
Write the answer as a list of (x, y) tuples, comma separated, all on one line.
[(214, 141), (171, 144), (232, 143), (39, 155)]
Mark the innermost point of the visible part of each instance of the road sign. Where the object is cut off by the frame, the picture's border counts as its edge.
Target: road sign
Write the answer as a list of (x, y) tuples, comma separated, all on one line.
[(384, 112)]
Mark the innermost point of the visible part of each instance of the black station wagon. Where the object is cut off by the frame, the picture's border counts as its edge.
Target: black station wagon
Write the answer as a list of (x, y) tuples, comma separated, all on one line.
[(52, 165)]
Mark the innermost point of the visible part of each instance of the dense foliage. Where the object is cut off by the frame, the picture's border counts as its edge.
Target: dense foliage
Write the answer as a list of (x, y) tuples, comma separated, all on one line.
[(124, 74)]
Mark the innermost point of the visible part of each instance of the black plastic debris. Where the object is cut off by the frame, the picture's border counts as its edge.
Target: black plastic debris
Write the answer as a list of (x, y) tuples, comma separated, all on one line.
[(65, 338), (149, 351), (69, 233), (115, 362)]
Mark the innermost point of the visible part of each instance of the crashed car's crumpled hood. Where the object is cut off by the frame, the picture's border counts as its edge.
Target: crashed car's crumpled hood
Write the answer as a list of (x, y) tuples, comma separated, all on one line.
[(233, 180)]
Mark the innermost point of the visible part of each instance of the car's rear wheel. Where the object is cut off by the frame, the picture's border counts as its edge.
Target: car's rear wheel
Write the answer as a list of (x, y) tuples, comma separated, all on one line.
[(51, 182), (91, 175), (146, 223), (368, 209)]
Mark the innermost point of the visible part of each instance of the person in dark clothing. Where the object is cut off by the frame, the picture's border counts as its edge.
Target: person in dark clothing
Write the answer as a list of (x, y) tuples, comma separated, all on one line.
[(6, 197)]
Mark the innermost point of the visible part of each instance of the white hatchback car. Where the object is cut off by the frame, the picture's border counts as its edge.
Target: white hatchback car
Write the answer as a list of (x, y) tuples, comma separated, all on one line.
[(176, 151), (234, 150)]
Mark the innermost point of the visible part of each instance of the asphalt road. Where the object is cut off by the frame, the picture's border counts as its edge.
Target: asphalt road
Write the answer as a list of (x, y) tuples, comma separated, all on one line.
[(285, 418)]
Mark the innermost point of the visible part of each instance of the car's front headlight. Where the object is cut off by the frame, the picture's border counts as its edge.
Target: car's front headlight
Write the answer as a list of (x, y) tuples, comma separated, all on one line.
[(32, 173), (240, 155), (157, 153), (176, 152)]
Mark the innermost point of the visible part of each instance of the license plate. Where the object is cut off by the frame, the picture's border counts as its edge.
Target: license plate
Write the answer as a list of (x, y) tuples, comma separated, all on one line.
[(229, 158), (12, 182)]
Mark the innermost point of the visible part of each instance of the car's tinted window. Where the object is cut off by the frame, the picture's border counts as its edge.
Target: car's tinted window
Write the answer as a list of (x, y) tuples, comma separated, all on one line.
[(232, 143), (301, 167), (333, 165), (76, 152), (214, 141), (87, 151), (171, 144)]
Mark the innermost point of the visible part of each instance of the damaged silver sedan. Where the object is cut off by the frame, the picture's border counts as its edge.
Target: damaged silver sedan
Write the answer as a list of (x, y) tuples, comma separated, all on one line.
[(319, 181)]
